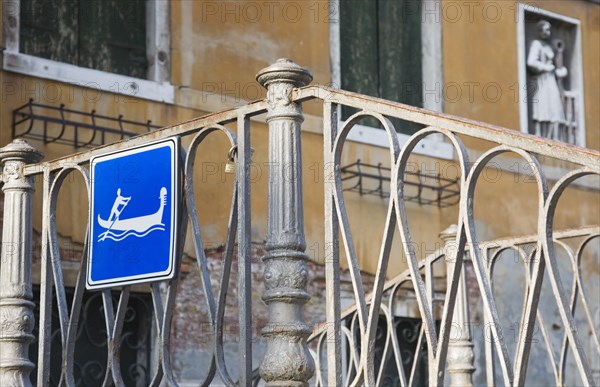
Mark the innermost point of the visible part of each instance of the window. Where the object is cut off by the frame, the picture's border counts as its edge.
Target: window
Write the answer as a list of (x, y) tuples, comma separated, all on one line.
[(380, 52), (107, 35), (390, 49), (112, 45)]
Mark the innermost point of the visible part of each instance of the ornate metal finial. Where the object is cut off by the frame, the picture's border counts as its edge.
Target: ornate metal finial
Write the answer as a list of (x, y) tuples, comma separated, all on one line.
[(284, 71), (20, 149), (280, 79)]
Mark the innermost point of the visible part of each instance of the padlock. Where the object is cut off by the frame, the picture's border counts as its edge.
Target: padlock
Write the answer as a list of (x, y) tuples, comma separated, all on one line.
[(230, 166)]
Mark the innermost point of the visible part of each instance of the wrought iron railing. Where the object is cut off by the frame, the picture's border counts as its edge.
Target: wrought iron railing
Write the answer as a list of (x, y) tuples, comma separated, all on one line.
[(400, 364), (529, 148), (287, 360)]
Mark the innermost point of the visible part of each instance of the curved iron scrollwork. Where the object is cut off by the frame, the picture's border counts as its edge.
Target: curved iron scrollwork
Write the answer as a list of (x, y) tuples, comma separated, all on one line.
[(91, 345), (406, 330)]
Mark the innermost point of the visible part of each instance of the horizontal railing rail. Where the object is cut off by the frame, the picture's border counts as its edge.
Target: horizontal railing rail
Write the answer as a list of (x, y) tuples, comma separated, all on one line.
[(509, 137), (351, 341)]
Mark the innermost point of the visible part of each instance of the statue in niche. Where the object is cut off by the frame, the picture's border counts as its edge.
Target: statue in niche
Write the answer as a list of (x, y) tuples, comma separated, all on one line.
[(553, 106)]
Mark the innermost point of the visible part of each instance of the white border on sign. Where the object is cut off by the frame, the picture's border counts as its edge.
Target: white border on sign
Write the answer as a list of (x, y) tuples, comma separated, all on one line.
[(169, 273)]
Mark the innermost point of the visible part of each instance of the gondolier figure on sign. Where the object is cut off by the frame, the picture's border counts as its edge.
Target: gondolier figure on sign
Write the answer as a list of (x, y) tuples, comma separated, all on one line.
[(119, 201), (118, 229), (134, 222)]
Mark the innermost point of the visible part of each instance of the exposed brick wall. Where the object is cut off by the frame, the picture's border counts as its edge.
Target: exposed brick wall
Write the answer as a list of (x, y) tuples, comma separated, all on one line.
[(191, 331)]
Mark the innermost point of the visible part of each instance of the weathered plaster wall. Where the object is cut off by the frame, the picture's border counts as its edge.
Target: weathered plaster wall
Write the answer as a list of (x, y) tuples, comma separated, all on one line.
[(481, 66), (216, 52)]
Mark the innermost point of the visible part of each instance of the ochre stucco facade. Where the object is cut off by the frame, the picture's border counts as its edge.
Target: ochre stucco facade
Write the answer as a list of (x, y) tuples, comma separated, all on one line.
[(215, 55)]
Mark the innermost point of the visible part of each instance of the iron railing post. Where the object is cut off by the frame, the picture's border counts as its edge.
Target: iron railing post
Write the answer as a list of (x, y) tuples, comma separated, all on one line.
[(16, 306), (460, 356), (287, 361)]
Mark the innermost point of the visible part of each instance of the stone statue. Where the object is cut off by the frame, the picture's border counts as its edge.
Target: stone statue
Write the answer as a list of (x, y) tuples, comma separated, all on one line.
[(548, 108)]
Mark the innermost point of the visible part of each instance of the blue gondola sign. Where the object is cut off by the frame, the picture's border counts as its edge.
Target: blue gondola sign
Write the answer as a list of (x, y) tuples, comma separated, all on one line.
[(133, 215)]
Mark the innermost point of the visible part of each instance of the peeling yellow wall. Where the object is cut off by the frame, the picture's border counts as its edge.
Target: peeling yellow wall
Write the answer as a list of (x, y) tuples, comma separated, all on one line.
[(481, 65), (214, 54), (218, 47)]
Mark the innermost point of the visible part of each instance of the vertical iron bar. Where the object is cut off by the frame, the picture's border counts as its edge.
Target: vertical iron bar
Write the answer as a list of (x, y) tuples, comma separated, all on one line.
[(16, 306), (120, 120), (332, 252), (490, 363), (47, 281), (14, 125), (244, 250), (286, 360)]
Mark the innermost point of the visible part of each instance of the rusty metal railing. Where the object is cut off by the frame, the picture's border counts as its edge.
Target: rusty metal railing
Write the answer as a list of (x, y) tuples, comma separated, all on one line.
[(287, 360)]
